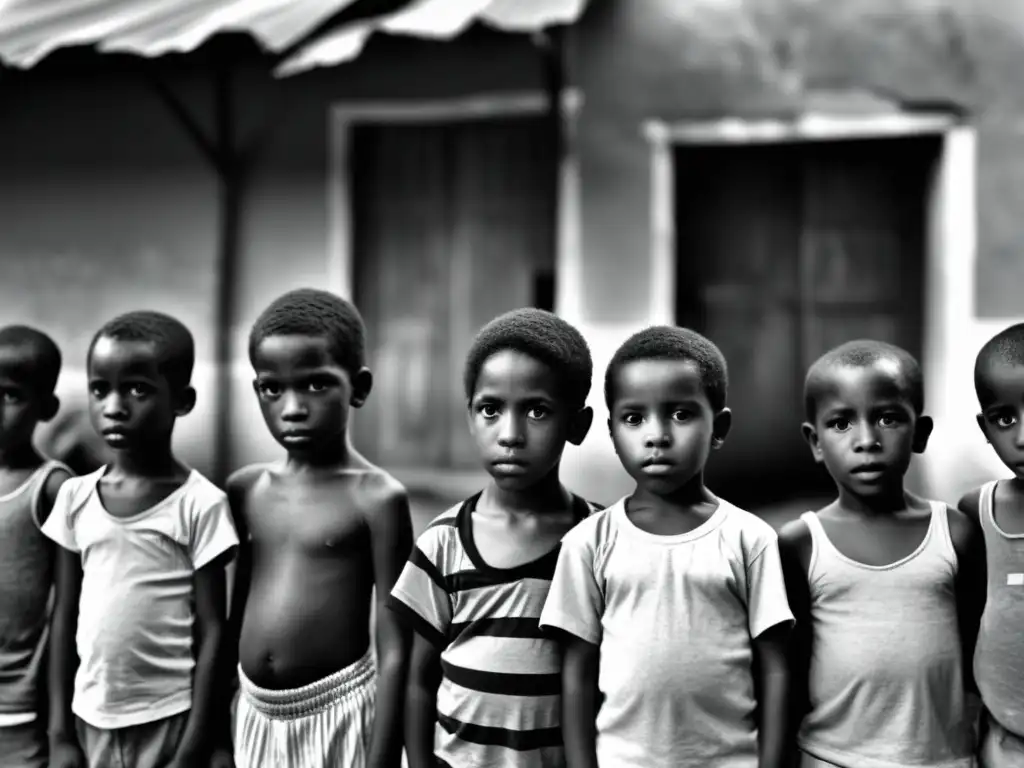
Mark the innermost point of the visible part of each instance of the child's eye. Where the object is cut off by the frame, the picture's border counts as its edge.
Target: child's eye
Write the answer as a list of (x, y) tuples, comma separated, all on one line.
[(12, 397), (839, 425), (889, 420), (488, 411), (98, 390), (538, 413), (317, 386), (138, 390), (680, 415), (1005, 420), (632, 419), (269, 390)]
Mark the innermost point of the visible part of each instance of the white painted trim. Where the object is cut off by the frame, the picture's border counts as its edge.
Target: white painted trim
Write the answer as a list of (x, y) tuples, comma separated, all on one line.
[(950, 338), (341, 118), (662, 301), (807, 127)]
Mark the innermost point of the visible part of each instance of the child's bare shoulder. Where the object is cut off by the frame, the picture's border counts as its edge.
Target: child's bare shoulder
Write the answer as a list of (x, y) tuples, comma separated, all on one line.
[(964, 528), (795, 535), (380, 493), (241, 481), (970, 503)]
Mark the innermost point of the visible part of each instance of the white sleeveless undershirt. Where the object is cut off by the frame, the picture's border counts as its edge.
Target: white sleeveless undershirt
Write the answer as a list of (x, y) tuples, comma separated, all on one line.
[(886, 670)]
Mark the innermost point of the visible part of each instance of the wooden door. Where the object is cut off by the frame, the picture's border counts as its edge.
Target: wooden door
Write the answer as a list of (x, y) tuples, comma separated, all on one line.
[(785, 251), (738, 222), (453, 226)]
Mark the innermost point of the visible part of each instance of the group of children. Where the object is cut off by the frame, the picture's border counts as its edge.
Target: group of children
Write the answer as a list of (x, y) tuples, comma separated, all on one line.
[(526, 627)]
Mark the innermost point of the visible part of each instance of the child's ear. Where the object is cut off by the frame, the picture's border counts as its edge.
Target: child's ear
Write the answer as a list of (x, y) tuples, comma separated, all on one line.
[(983, 426), (720, 428), (810, 433), (580, 426), (922, 431), (49, 408), (362, 383), (186, 401)]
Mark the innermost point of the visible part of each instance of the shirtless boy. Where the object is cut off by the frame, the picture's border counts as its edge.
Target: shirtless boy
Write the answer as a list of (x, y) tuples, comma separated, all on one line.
[(320, 530)]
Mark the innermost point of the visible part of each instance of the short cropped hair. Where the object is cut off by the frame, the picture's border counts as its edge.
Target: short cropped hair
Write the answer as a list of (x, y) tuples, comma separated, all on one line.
[(43, 359), (1005, 348), (312, 312), (669, 342), (175, 348), (543, 336), (863, 353)]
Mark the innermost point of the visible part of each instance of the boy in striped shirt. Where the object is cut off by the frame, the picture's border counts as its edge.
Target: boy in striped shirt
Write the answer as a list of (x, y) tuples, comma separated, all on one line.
[(484, 684)]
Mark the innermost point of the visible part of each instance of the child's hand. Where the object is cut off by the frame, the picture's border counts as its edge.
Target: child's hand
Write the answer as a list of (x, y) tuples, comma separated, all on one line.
[(67, 754), (222, 757)]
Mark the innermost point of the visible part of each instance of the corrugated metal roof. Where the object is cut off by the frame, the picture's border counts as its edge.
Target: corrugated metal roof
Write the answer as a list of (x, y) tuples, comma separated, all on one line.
[(31, 29)]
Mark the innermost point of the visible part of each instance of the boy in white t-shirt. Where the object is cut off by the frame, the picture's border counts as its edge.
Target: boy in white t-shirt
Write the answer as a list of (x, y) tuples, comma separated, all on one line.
[(671, 602), (140, 571)]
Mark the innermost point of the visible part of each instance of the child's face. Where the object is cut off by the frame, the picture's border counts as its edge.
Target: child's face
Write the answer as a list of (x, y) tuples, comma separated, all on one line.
[(22, 405), (131, 402), (1003, 415), (519, 421), (304, 392), (866, 429), (662, 425)]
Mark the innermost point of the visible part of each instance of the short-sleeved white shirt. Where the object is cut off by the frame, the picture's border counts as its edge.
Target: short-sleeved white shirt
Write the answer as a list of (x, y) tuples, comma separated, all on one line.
[(136, 615), (674, 618)]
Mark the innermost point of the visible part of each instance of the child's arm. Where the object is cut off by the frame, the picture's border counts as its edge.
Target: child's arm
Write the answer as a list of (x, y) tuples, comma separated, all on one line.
[(210, 615), (64, 748), (579, 701), (421, 702), (795, 547), (65, 751), (773, 681), (391, 544), (237, 489), (573, 610), (971, 583)]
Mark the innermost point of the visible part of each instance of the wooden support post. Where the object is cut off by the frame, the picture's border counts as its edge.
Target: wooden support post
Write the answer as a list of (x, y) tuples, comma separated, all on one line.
[(550, 43), (231, 181)]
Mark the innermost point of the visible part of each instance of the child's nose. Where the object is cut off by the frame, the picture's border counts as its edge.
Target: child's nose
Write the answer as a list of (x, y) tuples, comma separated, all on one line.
[(511, 431), (657, 437), (113, 405), (866, 437), (292, 407)]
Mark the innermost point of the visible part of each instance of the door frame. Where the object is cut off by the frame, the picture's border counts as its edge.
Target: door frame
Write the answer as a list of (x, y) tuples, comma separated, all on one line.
[(340, 264), (947, 345), (343, 116)]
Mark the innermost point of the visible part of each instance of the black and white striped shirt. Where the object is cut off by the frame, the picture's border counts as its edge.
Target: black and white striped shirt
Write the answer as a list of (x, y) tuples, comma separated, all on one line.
[(499, 703)]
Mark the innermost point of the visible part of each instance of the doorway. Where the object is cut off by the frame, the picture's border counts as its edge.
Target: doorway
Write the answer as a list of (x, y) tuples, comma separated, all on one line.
[(785, 250)]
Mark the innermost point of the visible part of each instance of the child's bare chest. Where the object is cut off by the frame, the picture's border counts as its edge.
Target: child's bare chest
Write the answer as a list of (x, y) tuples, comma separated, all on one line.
[(878, 542), (314, 520)]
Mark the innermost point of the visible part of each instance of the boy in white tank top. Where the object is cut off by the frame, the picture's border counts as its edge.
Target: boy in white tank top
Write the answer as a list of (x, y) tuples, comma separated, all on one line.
[(30, 364), (999, 507), (883, 584)]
